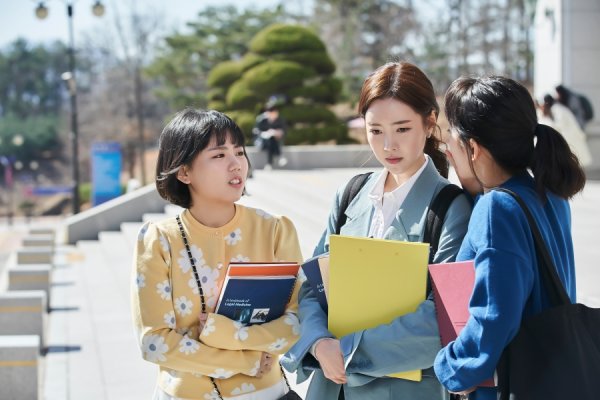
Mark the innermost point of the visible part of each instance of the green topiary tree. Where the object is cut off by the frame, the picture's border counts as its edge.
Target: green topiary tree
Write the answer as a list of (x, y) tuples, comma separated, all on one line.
[(289, 61)]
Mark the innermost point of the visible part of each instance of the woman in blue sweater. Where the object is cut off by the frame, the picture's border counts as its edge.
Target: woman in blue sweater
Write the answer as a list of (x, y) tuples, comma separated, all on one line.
[(494, 141)]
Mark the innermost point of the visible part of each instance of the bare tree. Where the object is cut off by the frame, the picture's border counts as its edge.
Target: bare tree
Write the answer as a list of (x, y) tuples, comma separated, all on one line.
[(119, 102)]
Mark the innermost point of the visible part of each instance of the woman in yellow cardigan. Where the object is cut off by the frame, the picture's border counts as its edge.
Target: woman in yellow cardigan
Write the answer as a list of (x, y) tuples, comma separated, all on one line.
[(180, 264)]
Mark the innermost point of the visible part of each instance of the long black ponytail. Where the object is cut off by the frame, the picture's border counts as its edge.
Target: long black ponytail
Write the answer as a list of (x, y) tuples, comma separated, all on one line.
[(499, 114)]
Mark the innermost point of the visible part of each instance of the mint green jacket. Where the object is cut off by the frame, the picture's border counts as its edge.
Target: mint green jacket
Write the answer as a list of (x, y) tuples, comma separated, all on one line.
[(409, 342)]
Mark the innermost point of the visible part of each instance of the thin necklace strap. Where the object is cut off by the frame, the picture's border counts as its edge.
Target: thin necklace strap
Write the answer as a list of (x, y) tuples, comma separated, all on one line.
[(193, 264)]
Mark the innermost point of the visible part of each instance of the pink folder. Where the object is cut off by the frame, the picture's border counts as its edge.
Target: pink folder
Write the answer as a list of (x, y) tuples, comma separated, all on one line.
[(452, 285)]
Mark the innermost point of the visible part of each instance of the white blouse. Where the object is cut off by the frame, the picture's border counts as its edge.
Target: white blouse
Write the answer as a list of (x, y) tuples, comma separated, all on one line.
[(387, 204)]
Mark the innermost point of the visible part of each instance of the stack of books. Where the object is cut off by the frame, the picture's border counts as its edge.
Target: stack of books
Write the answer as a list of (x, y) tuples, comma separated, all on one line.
[(254, 293)]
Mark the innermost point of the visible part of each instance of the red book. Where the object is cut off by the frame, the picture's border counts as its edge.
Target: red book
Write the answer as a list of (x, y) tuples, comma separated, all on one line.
[(452, 285)]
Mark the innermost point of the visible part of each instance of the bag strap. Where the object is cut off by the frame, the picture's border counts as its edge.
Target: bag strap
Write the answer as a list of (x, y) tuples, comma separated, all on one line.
[(438, 208), (435, 216), (548, 274), (352, 188), (203, 303)]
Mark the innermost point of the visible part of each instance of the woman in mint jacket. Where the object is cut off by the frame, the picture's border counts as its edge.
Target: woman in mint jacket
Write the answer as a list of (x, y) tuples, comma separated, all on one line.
[(400, 110)]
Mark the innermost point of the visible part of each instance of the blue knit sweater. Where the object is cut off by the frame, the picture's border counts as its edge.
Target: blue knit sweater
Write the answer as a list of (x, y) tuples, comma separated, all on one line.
[(507, 286)]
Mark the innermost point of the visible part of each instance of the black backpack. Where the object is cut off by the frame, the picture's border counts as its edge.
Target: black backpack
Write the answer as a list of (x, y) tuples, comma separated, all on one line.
[(435, 214), (586, 105)]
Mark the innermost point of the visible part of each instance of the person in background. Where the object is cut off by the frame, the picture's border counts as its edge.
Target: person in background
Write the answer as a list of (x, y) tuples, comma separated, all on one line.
[(269, 132), (400, 109), (559, 117), (571, 100), (494, 141), (180, 264)]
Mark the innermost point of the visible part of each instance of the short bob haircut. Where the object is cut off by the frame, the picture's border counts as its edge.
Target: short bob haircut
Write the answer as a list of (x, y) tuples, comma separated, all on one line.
[(184, 137)]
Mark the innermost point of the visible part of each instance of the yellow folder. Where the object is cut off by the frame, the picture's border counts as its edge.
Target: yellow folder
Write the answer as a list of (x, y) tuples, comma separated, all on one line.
[(374, 281)]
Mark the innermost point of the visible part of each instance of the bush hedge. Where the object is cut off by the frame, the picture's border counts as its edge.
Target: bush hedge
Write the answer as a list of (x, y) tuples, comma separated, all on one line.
[(275, 76), (291, 62), (282, 38), (224, 74), (240, 96)]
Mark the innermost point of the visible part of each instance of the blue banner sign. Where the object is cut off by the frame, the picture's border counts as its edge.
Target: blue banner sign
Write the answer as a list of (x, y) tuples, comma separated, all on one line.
[(106, 171), (51, 190)]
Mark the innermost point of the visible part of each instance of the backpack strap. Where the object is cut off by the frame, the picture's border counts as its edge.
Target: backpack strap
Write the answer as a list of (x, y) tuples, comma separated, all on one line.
[(435, 220), (435, 216), (350, 192)]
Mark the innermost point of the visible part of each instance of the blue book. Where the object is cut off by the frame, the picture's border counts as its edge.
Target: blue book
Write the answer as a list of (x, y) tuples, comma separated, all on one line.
[(316, 270), (255, 299)]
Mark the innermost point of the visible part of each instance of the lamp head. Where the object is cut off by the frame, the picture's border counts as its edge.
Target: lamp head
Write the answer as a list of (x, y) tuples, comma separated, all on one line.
[(98, 9), (41, 11)]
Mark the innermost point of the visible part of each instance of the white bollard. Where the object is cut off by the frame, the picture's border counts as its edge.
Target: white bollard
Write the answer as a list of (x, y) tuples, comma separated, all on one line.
[(31, 277), (35, 255), (38, 241), (19, 367), (23, 312)]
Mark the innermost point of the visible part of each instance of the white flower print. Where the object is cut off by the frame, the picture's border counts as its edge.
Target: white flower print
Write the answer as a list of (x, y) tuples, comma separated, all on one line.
[(254, 370), (212, 395), (240, 258), (188, 346), (140, 281), (208, 279), (209, 327), (234, 237), (143, 231), (184, 259), (164, 289), (183, 306), (221, 373), (169, 319), (154, 348), (263, 214), (164, 243), (278, 345), (292, 320), (245, 388), (241, 332)]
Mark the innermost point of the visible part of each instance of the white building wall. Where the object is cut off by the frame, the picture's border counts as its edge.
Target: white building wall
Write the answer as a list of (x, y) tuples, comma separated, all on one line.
[(567, 51)]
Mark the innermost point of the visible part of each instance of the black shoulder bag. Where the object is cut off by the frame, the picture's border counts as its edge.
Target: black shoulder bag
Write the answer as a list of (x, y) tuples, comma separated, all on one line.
[(290, 395), (556, 353)]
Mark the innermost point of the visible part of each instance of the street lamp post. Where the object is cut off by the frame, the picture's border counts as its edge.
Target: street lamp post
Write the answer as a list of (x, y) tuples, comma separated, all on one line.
[(69, 77)]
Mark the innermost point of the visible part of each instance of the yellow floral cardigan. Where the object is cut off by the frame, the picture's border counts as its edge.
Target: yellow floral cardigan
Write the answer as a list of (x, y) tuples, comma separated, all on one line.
[(166, 303)]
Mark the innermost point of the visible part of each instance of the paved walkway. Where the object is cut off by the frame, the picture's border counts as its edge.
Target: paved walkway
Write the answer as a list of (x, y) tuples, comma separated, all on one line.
[(92, 350)]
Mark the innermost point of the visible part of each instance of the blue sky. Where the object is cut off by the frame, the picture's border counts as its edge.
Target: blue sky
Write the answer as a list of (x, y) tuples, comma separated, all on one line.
[(17, 17)]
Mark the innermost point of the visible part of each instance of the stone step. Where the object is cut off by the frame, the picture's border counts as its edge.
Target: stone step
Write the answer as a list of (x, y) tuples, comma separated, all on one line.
[(19, 367), (35, 255), (38, 241), (154, 217), (23, 312), (42, 231), (130, 231), (31, 277)]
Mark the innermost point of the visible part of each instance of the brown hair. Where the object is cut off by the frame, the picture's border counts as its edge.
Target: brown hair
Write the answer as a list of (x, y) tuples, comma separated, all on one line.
[(405, 82)]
